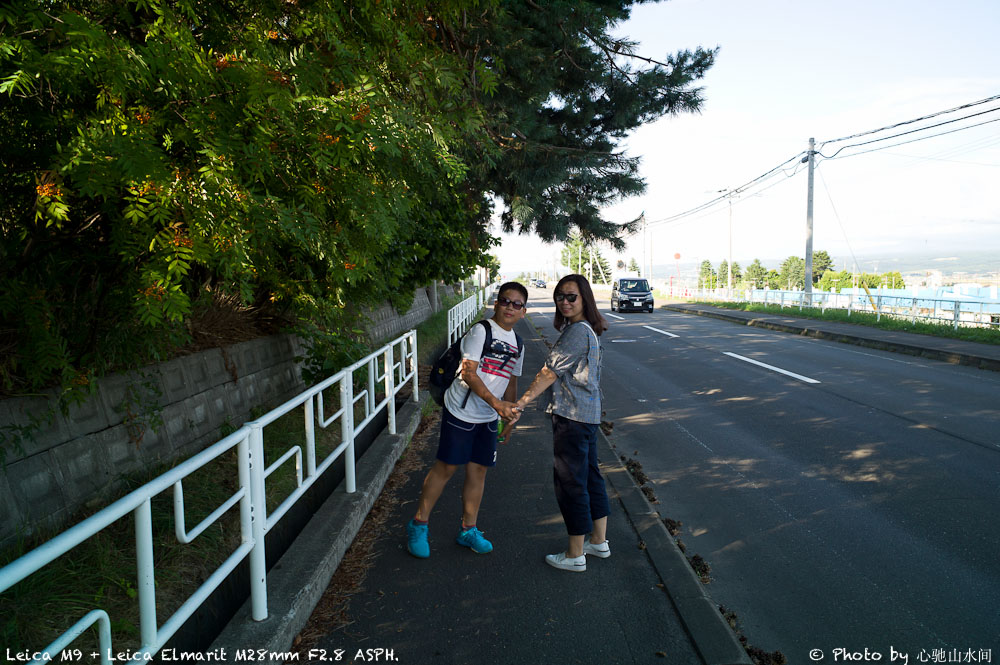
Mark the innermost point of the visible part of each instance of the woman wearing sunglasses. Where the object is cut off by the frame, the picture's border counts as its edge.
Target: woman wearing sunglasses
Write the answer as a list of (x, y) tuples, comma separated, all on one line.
[(573, 370)]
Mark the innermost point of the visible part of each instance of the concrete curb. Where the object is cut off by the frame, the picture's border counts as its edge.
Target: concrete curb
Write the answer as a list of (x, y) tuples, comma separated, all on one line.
[(298, 580), (715, 641), (953, 357)]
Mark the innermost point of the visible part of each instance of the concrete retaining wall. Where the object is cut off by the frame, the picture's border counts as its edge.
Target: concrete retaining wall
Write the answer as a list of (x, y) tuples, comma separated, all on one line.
[(157, 415), (132, 422), (385, 323)]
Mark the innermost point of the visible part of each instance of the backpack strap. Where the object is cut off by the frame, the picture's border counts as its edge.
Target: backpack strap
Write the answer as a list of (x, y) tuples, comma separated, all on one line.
[(486, 347)]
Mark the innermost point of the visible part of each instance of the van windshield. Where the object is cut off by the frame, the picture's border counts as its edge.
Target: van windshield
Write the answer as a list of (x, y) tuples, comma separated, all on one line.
[(633, 285)]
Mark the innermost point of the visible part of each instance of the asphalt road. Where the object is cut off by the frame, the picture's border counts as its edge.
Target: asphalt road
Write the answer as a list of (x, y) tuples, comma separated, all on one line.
[(845, 498)]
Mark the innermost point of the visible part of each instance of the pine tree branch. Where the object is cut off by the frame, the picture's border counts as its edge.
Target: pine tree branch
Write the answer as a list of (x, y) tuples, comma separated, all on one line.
[(609, 52)]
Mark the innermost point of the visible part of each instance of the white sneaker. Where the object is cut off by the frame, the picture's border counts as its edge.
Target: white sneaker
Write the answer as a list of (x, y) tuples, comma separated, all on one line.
[(602, 550), (574, 564)]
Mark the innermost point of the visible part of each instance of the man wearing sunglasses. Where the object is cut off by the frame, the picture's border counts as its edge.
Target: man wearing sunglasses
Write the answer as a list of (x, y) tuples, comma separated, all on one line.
[(486, 385)]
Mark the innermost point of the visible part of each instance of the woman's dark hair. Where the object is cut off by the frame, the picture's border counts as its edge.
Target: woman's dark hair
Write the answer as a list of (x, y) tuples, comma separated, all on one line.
[(590, 311)]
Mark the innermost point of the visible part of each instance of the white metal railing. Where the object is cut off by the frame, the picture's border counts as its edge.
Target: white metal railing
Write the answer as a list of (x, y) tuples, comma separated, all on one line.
[(384, 369), (463, 315), (954, 312)]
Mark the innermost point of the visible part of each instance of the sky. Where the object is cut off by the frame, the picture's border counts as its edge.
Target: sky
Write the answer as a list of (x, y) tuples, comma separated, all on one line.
[(788, 70)]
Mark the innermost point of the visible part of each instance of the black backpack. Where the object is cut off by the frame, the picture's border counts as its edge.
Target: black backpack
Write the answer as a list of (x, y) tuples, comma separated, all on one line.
[(447, 366)]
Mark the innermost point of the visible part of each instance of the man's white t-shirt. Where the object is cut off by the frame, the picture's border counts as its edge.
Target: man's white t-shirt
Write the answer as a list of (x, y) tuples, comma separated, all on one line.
[(496, 367)]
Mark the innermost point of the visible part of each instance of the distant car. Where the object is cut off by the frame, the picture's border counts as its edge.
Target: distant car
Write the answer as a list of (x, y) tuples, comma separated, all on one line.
[(631, 293), (540, 283)]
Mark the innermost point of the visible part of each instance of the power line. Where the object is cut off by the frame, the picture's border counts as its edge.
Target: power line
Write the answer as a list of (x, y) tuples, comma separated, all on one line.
[(913, 131), (910, 122), (948, 154), (738, 190), (780, 167), (921, 138)]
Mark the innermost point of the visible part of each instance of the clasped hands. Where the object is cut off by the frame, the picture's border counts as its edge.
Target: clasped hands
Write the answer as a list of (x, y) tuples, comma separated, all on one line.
[(510, 412)]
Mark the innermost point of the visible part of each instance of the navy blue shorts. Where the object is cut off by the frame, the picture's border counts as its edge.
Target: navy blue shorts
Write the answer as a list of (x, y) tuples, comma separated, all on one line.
[(463, 442)]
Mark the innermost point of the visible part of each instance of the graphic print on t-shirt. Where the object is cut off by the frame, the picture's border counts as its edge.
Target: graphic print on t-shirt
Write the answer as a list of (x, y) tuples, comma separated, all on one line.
[(496, 367), (499, 360)]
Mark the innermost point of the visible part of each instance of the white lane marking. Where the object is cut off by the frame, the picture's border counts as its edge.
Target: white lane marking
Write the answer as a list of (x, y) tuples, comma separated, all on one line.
[(615, 316), (773, 368), (662, 332), (621, 341)]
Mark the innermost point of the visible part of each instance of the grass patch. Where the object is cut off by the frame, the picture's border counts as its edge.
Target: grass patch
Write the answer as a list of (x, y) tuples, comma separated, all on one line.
[(101, 572), (885, 322)]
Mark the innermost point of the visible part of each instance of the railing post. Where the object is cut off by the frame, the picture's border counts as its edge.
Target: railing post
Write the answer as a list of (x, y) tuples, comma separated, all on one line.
[(146, 582), (414, 365), (347, 429), (878, 308), (258, 521), (243, 465), (371, 388), (957, 310), (390, 398), (310, 422), (913, 312)]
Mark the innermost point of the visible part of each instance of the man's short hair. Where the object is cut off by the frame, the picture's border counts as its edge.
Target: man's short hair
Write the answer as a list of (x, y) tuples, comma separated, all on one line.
[(517, 286)]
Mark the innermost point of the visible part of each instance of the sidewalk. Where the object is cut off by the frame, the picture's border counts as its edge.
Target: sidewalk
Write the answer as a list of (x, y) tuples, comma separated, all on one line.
[(641, 605), (983, 356)]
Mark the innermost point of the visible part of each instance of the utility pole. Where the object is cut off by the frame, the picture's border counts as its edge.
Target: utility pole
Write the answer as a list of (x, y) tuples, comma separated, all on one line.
[(729, 271), (645, 249), (729, 286), (809, 223)]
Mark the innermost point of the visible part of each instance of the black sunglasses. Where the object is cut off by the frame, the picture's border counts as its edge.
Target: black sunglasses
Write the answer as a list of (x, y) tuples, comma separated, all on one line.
[(516, 304), (567, 296)]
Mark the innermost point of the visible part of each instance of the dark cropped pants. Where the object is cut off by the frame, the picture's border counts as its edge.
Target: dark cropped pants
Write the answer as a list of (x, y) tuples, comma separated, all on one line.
[(580, 490)]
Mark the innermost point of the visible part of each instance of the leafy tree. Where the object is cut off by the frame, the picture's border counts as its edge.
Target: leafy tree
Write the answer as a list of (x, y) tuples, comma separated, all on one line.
[(492, 265), (793, 273), (577, 253), (300, 158), (894, 280), (633, 265), (821, 263), (724, 273), (601, 269), (707, 279), (574, 253), (775, 280), (889, 280), (757, 274), (563, 92), (835, 281)]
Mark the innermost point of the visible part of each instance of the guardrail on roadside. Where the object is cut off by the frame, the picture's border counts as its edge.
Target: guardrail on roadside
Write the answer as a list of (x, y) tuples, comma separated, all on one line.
[(464, 314), (384, 371), (947, 311)]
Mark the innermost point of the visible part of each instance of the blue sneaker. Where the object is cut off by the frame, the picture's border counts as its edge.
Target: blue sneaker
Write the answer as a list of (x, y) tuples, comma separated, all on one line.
[(473, 539), (416, 540)]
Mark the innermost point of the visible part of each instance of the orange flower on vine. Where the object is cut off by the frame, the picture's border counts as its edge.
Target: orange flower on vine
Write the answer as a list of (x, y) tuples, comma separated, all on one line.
[(48, 189)]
